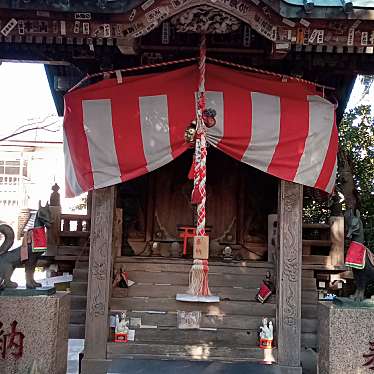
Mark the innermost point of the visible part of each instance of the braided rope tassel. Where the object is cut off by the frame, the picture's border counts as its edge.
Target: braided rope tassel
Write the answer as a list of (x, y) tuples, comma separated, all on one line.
[(198, 278), (200, 230)]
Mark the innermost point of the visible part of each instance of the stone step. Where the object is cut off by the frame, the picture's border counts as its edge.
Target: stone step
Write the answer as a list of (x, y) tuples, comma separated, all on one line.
[(169, 291), (169, 319), (76, 331), (81, 264), (71, 258), (77, 316), (164, 304), (215, 279), (72, 250), (246, 267), (225, 293), (186, 267), (188, 351), (213, 269), (246, 308), (74, 234), (178, 261), (219, 337)]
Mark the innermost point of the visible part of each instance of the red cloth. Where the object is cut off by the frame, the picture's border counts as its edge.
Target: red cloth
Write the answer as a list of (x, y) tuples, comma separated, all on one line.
[(39, 239), (356, 255), (282, 128)]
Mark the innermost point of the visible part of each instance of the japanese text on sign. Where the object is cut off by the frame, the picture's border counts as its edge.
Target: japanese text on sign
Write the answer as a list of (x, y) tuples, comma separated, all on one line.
[(11, 344)]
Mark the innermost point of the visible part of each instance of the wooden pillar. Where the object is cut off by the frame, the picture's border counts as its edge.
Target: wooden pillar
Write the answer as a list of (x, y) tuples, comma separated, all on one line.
[(117, 232), (289, 269), (53, 232), (89, 209), (99, 281)]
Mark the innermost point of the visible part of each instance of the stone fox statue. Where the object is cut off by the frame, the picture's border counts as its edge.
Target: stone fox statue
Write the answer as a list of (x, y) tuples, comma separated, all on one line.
[(356, 234), (9, 260)]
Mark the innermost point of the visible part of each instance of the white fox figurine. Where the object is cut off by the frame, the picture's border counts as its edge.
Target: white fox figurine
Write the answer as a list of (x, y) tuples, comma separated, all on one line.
[(266, 329)]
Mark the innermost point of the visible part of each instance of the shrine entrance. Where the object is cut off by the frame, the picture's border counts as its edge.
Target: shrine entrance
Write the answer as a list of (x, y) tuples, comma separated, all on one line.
[(159, 219)]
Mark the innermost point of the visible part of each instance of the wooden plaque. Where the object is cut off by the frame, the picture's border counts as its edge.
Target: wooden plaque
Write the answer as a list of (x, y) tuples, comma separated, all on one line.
[(201, 247)]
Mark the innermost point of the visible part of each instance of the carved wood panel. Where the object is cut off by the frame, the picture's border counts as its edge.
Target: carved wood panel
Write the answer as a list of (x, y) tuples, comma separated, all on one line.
[(289, 273)]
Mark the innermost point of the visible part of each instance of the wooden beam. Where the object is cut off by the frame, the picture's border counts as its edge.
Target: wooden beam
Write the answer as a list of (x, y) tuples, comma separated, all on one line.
[(181, 48), (99, 281), (289, 263), (53, 233)]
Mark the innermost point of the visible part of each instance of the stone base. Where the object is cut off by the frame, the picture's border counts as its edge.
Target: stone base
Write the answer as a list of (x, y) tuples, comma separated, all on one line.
[(95, 366), (23, 291), (290, 370), (344, 336), (43, 321)]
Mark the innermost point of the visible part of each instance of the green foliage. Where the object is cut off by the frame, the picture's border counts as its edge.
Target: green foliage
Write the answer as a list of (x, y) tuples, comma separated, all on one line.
[(315, 210), (81, 204), (356, 138)]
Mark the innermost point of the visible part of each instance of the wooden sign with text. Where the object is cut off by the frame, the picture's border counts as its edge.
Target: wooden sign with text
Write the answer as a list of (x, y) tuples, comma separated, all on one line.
[(201, 247)]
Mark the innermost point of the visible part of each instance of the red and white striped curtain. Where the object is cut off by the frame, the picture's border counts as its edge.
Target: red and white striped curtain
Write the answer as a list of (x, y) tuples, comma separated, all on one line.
[(114, 132)]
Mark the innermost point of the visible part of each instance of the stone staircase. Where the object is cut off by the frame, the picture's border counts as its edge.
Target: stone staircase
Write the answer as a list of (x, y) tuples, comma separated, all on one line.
[(78, 289), (228, 329)]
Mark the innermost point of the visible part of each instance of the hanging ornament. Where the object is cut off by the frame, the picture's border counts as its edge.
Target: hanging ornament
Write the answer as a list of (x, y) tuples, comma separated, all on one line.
[(198, 290), (209, 117), (190, 134)]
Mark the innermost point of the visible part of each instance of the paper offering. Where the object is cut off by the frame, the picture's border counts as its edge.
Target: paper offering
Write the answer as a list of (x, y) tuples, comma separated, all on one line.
[(135, 322), (131, 335), (188, 320)]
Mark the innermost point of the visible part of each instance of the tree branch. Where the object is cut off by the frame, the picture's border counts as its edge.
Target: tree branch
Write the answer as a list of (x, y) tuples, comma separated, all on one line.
[(44, 128)]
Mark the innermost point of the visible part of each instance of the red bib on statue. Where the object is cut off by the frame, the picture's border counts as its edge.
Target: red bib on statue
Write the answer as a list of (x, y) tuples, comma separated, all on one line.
[(356, 255), (39, 239)]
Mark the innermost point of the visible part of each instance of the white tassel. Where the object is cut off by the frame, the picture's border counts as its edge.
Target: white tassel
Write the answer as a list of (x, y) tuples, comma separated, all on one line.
[(198, 279)]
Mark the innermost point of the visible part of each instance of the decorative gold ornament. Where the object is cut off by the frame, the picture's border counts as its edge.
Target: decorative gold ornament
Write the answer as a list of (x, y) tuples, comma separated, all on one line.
[(190, 133)]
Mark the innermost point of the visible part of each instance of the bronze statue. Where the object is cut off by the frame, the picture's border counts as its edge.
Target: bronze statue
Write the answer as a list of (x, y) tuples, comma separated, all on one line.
[(356, 234), (10, 260)]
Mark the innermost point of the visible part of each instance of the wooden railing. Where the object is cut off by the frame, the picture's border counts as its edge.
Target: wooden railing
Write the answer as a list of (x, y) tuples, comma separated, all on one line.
[(71, 230), (67, 230), (75, 222), (323, 244)]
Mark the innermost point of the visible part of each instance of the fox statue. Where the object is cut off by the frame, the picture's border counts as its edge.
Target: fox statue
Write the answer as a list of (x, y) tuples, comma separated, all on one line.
[(10, 260), (355, 232)]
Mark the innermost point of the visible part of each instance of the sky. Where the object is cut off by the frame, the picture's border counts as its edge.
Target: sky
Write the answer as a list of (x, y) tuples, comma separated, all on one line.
[(24, 96)]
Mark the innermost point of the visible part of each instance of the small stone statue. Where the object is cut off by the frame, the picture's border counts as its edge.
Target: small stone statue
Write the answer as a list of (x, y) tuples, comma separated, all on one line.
[(54, 200), (122, 324), (227, 254)]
